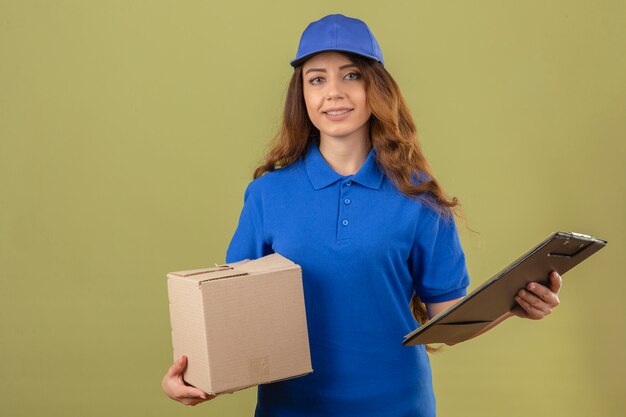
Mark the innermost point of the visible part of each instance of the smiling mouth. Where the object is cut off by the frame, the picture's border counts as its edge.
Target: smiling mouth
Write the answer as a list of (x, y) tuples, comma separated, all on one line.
[(337, 112)]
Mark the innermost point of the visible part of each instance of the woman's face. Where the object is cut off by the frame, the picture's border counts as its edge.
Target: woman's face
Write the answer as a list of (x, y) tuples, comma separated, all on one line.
[(335, 98)]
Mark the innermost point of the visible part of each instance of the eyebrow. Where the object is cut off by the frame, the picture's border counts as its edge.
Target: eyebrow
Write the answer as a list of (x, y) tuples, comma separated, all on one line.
[(351, 64)]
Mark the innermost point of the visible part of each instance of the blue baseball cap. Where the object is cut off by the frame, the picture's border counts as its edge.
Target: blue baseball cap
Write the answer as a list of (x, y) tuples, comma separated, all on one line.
[(337, 32)]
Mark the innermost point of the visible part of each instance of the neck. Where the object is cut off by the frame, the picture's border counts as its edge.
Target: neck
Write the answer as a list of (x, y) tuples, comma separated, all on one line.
[(346, 154)]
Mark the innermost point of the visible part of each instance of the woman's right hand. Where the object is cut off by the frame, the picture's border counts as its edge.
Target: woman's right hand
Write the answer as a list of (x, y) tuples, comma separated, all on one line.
[(174, 386)]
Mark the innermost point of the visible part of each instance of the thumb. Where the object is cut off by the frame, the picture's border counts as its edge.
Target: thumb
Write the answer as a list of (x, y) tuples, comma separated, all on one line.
[(178, 367), (556, 282)]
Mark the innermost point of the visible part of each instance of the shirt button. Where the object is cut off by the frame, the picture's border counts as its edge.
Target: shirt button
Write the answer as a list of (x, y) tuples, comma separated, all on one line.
[(347, 201), (345, 222), (349, 183)]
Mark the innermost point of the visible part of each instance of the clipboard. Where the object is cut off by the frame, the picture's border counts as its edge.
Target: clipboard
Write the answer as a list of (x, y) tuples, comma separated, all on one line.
[(560, 252)]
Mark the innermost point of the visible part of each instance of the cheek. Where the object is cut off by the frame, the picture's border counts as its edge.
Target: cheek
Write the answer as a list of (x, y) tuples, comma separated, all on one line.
[(362, 99), (311, 106), (364, 107)]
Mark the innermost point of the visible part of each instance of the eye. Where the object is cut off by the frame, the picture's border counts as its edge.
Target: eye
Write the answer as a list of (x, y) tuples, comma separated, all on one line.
[(353, 76), (316, 80)]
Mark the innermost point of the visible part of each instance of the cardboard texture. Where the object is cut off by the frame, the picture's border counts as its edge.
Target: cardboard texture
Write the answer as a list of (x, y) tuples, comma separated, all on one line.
[(560, 252), (240, 324)]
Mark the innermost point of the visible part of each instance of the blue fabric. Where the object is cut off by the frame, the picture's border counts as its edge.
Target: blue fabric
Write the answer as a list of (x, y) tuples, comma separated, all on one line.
[(337, 32), (364, 247)]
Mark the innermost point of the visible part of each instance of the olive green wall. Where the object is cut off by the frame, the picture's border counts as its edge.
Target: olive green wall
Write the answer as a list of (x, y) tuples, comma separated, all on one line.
[(129, 129)]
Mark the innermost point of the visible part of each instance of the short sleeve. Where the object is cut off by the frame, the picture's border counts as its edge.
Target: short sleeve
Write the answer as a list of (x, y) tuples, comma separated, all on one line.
[(248, 241), (437, 260)]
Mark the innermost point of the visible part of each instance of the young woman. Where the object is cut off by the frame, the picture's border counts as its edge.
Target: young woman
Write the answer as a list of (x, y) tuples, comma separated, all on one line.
[(346, 193)]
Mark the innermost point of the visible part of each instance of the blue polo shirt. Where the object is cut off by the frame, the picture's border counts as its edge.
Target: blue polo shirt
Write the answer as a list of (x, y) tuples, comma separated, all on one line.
[(364, 248)]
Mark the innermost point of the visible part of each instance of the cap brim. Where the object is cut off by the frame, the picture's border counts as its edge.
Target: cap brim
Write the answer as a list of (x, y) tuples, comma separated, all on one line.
[(294, 63)]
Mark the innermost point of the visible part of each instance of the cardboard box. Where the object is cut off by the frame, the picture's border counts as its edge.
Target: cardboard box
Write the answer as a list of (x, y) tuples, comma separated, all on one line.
[(240, 324)]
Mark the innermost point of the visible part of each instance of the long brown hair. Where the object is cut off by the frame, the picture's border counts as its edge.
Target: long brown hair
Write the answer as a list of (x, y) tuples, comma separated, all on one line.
[(393, 135)]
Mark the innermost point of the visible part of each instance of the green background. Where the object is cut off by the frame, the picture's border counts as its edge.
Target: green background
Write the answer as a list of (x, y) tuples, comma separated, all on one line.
[(129, 130)]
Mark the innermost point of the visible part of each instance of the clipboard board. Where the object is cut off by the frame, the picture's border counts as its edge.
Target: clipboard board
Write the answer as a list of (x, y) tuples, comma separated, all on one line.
[(561, 251)]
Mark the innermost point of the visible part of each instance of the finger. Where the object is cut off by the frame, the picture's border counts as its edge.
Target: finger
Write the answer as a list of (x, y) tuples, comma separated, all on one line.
[(192, 402), (186, 391), (178, 367), (556, 282), (536, 303), (531, 312), (543, 293)]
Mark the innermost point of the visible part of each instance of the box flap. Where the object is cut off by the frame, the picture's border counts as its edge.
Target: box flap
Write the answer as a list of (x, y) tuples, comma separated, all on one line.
[(264, 264), (208, 274), (193, 272)]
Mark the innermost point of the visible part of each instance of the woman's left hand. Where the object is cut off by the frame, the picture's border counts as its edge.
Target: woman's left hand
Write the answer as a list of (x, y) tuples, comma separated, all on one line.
[(537, 301)]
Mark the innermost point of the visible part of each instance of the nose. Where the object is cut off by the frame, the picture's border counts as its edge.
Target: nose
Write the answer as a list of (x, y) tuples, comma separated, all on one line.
[(334, 90)]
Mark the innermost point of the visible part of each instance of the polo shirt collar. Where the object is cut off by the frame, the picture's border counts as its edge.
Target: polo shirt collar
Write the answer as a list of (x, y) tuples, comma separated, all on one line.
[(322, 175)]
